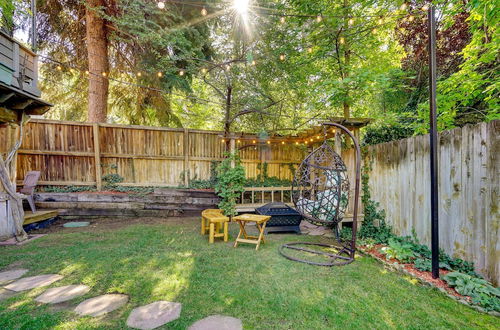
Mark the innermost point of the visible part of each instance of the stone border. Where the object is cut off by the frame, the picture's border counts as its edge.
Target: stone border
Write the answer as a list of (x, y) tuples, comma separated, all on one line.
[(400, 268)]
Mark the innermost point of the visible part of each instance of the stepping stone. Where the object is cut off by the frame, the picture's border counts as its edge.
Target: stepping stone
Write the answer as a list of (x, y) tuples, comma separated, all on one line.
[(5, 294), (101, 304), (32, 282), (154, 315), (62, 293), (10, 275), (217, 322)]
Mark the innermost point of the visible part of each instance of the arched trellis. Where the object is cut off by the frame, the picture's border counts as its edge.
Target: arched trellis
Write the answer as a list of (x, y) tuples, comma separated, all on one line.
[(344, 253)]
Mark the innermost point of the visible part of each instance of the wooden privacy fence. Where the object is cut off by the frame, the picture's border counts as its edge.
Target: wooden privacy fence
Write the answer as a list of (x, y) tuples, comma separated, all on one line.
[(469, 221), (73, 153)]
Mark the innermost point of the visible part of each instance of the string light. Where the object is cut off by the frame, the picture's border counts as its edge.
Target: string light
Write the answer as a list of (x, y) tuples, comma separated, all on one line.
[(204, 70), (253, 62), (268, 142), (282, 142), (204, 12), (104, 74), (87, 72), (161, 4), (59, 68), (139, 74), (159, 74), (282, 19), (223, 141), (312, 139), (319, 18), (351, 21), (239, 141), (296, 143), (342, 40), (282, 57), (253, 141), (181, 73)]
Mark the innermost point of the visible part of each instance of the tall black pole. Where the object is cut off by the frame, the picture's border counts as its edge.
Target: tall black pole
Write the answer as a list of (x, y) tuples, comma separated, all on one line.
[(433, 142)]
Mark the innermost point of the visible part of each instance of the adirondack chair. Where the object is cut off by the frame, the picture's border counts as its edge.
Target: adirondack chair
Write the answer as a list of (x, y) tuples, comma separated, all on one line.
[(28, 189)]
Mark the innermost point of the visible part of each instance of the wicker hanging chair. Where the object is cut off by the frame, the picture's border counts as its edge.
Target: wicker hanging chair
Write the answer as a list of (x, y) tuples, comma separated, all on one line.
[(320, 192)]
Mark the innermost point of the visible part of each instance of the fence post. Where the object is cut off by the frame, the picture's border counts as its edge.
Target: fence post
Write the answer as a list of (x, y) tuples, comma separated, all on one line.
[(186, 157), (97, 156)]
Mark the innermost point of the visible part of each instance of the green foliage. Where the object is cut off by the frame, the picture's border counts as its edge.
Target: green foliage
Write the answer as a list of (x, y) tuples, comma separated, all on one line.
[(374, 224), (230, 183), (398, 250), (264, 180), (480, 290), (68, 189), (386, 133), (111, 181)]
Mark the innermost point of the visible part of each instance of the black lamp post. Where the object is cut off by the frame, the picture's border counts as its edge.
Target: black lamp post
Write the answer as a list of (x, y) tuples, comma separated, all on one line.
[(433, 142)]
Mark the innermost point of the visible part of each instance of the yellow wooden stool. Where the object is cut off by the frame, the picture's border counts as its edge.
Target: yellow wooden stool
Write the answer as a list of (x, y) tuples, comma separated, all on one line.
[(212, 220)]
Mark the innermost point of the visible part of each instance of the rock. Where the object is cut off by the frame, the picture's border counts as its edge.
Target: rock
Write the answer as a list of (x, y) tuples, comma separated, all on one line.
[(101, 304), (32, 282), (217, 322), (154, 315), (62, 293), (5, 294), (10, 275)]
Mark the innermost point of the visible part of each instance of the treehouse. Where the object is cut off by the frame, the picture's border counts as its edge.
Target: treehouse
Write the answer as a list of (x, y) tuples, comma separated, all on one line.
[(19, 91)]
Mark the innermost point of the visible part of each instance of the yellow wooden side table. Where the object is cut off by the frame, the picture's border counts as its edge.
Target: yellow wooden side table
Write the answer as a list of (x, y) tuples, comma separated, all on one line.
[(260, 222), (212, 220)]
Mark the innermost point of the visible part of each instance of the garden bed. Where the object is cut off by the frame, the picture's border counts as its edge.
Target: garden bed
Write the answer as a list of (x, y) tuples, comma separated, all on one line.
[(423, 277)]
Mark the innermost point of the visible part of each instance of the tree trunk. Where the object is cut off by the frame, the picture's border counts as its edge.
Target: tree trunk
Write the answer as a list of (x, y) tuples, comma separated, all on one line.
[(347, 61), (97, 53), (227, 119)]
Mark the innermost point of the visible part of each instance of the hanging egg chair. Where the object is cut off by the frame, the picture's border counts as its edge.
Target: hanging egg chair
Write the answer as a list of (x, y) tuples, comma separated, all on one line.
[(320, 192)]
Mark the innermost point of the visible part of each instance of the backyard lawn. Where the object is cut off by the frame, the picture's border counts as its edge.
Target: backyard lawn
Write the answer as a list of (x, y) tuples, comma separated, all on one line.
[(153, 259)]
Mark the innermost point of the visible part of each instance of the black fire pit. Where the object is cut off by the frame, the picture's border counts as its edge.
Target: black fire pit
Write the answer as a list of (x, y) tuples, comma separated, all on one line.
[(283, 217)]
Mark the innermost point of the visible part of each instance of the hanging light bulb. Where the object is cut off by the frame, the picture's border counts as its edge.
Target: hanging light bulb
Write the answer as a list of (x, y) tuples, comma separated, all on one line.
[(204, 12), (87, 72), (253, 62), (317, 137), (104, 74), (139, 74), (351, 21), (282, 19), (239, 141), (282, 57), (161, 4), (268, 142), (282, 142), (204, 70), (223, 141), (253, 141), (305, 142), (319, 18), (342, 40), (181, 73), (296, 143), (312, 139), (59, 68), (159, 74)]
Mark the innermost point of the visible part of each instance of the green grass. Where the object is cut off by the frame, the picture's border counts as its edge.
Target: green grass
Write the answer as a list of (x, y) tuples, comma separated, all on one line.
[(174, 262)]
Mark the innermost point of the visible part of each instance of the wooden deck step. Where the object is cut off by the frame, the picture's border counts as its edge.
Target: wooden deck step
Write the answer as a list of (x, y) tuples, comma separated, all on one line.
[(41, 215)]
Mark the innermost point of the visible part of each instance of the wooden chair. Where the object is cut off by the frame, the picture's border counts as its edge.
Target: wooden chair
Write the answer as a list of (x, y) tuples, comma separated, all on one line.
[(212, 220), (28, 189)]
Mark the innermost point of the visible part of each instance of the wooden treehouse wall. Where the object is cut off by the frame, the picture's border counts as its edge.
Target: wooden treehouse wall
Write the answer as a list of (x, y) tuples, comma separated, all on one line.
[(66, 154), (469, 220)]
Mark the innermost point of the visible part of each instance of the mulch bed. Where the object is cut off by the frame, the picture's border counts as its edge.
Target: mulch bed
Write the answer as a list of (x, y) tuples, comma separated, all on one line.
[(422, 276)]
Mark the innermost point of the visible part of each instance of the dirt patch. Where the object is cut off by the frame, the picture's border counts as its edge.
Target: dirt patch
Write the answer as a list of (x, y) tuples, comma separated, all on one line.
[(113, 223)]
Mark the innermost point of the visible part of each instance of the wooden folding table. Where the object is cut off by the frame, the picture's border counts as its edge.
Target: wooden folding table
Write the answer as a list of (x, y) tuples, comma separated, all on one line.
[(260, 223)]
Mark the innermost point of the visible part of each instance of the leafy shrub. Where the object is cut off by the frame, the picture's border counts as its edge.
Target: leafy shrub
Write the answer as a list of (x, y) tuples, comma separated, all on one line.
[(230, 183), (112, 179), (386, 133), (480, 290), (425, 265), (398, 250)]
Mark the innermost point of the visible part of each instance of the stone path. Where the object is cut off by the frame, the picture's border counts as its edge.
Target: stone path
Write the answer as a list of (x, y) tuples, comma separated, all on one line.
[(10, 275), (217, 322), (154, 315), (313, 230), (32, 282), (149, 316), (62, 293), (101, 304)]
